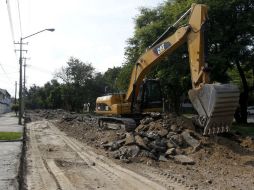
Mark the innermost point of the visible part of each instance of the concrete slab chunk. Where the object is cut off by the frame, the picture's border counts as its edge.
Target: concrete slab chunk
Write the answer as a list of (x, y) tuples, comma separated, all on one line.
[(182, 159), (190, 140)]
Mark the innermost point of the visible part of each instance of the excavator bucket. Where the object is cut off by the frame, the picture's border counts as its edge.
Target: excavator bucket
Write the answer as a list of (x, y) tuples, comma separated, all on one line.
[(215, 104)]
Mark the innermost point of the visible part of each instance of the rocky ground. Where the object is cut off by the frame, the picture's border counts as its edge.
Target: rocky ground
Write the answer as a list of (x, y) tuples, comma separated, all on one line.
[(168, 143)]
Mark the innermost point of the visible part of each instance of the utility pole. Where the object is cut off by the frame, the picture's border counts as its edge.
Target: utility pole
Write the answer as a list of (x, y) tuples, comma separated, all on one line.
[(15, 100), (20, 80), (25, 65), (24, 85), (20, 69)]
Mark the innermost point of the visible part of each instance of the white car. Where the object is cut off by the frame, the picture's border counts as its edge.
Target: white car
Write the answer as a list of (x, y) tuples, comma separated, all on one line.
[(250, 110)]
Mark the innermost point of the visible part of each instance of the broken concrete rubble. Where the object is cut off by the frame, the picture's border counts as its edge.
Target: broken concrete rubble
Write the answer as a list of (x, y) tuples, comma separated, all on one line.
[(129, 139), (183, 159), (126, 152), (157, 138), (190, 140), (177, 140), (140, 142), (171, 151)]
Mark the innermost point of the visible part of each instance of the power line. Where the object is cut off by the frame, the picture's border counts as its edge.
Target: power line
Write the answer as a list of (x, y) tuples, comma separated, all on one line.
[(11, 73), (11, 24), (19, 19), (40, 69), (5, 72), (10, 66), (10, 19)]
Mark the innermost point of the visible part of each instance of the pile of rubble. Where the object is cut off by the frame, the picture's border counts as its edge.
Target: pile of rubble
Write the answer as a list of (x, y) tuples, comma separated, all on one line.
[(60, 114), (38, 114), (159, 137)]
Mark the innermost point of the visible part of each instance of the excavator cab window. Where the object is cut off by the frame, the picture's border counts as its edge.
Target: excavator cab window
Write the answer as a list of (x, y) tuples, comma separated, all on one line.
[(150, 94)]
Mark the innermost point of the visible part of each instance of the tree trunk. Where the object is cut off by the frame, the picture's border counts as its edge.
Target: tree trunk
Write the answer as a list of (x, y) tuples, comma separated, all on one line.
[(241, 115)]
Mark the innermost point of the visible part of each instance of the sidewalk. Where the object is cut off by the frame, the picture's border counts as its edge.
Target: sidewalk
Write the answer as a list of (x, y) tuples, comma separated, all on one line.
[(10, 153)]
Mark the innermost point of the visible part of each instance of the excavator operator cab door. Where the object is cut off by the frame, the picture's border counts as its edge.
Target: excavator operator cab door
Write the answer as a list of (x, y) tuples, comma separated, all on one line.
[(149, 98)]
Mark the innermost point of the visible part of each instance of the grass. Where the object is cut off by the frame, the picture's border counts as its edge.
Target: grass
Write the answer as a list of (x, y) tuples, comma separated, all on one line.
[(10, 135), (188, 115), (244, 129)]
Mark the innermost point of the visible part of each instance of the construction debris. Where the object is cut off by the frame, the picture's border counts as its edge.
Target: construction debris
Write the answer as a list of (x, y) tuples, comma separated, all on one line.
[(160, 137), (182, 159), (168, 143)]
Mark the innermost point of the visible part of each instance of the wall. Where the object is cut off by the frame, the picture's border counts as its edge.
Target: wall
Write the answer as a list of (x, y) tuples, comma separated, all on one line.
[(4, 108)]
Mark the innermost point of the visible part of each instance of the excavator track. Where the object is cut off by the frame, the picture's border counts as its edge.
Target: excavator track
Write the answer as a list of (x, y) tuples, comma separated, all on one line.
[(128, 124)]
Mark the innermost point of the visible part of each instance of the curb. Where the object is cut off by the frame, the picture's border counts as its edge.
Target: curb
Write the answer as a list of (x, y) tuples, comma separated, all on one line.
[(22, 165), (18, 140)]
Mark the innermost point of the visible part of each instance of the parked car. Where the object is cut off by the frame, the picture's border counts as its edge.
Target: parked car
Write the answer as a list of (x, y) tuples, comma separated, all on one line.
[(250, 110)]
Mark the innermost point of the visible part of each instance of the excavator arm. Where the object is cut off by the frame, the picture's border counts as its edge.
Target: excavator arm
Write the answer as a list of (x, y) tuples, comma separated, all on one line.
[(215, 103), (153, 56), (192, 34)]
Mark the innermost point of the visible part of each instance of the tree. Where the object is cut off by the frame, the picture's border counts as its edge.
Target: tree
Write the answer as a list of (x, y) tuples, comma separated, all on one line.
[(174, 70), (110, 77), (77, 76), (34, 98), (15, 108), (77, 72), (230, 43)]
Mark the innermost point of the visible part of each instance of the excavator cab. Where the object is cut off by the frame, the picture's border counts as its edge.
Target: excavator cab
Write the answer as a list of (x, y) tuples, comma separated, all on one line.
[(149, 98)]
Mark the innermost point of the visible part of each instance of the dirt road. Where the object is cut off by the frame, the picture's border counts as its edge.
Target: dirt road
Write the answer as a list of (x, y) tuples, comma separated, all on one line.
[(55, 161)]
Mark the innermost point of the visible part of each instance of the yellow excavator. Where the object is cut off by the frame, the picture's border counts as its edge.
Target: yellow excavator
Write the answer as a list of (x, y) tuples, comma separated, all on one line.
[(215, 103)]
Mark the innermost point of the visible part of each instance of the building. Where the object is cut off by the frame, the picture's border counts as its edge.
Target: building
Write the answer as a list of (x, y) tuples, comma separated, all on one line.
[(5, 101)]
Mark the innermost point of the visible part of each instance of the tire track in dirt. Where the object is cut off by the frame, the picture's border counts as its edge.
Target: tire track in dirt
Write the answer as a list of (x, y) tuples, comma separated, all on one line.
[(104, 164), (40, 176), (56, 161)]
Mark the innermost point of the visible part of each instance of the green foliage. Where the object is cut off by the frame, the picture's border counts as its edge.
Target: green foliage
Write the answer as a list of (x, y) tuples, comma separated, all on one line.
[(230, 32), (236, 79), (10, 135), (244, 129), (110, 78), (230, 35), (123, 77), (174, 70), (80, 84), (15, 108)]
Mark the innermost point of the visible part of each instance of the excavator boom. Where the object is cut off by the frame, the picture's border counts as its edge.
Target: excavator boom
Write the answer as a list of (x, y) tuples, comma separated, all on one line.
[(215, 103)]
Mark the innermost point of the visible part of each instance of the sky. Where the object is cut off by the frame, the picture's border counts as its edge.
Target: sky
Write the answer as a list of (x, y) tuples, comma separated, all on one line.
[(93, 31)]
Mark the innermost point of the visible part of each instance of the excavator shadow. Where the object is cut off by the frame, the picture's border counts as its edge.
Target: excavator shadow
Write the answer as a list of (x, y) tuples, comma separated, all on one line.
[(233, 142), (249, 163)]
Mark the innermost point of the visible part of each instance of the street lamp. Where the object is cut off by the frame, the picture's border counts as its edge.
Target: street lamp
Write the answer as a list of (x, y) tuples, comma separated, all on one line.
[(20, 71)]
